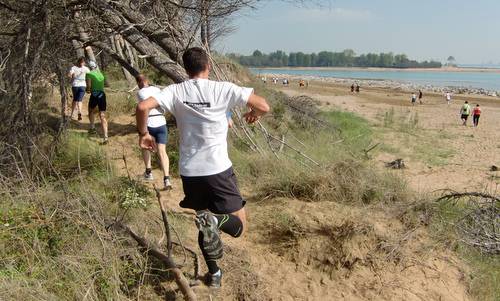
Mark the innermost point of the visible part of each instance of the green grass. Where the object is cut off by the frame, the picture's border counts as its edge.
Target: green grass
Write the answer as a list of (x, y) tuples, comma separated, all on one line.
[(58, 247), (77, 153), (121, 103)]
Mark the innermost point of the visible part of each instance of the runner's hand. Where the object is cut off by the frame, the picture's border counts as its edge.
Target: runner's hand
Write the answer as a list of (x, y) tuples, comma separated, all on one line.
[(147, 142), (250, 117)]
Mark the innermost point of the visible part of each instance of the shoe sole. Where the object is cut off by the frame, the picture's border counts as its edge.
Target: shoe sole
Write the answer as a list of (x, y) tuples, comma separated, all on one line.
[(212, 243)]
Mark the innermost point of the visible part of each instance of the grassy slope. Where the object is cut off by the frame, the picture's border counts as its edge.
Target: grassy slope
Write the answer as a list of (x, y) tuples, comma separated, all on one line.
[(58, 247)]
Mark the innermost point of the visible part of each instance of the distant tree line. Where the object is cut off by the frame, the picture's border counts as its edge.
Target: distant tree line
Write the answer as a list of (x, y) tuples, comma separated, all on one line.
[(346, 58)]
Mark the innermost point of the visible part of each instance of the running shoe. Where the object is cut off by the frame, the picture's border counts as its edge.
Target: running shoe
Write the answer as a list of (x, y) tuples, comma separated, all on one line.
[(213, 280), (92, 131), (166, 184), (79, 117), (148, 176), (211, 243), (105, 140)]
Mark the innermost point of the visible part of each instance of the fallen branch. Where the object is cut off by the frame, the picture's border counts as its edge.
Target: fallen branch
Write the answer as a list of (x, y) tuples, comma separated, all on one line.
[(167, 226), (366, 151), (479, 223), (124, 158), (181, 281), (459, 195), (165, 221)]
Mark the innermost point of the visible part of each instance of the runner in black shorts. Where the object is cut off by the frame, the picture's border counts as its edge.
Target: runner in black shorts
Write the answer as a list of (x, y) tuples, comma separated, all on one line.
[(95, 85), (200, 107), (97, 99), (218, 193)]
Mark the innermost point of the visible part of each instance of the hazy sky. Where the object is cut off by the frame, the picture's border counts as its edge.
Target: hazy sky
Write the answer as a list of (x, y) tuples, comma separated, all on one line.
[(423, 29)]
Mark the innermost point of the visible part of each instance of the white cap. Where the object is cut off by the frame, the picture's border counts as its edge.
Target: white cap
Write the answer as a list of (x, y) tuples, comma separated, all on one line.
[(92, 65)]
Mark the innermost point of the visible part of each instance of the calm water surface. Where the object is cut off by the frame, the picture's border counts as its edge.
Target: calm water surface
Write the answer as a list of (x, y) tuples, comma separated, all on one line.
[(485, 80)]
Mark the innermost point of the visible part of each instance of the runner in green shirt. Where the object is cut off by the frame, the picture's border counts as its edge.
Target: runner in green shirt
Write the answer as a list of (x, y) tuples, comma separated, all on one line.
[(465, 112), (95, 85)]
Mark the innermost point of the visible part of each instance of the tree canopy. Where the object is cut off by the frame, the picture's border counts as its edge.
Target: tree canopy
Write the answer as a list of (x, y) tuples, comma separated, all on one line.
[(346, 58)]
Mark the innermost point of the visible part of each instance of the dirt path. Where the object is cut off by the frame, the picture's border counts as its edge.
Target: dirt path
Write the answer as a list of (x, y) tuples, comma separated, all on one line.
[(457, 158), (272, 262)]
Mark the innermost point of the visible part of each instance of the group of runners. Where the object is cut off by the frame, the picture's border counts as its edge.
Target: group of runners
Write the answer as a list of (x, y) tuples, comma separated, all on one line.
[(89, 80), (355, 88), (202, 109), (465, 112), (420, 97)]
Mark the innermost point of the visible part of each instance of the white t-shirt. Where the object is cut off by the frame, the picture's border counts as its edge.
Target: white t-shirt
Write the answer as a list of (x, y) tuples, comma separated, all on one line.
[(156, 117), (200, 107), (79, 74), (448, 96)]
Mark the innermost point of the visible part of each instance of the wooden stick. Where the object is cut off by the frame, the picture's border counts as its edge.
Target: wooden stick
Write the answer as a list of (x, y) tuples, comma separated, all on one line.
[(125, 162), (181, 281), (295, 149), (165, 221)]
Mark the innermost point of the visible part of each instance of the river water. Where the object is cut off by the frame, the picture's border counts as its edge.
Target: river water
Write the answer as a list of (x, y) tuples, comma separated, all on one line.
[(489, 80)]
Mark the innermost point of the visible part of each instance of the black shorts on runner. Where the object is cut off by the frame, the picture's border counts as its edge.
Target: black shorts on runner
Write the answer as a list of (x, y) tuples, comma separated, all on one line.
[(218, 193), (464, 116), (98, 99)]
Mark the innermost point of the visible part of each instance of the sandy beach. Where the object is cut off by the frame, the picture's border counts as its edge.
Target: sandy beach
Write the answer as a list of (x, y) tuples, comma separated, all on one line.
[(439, 151), (443, 69)]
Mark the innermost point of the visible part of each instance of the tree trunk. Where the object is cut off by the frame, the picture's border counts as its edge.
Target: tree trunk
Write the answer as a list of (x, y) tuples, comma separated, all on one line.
[(84, 37), (78, 48), (171, 40), (111, 52), (64, 95), (119, 44)]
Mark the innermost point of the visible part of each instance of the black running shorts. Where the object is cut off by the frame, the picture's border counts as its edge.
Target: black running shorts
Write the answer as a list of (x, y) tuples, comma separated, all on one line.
[(218, 193), (97, 99), (464, 116)]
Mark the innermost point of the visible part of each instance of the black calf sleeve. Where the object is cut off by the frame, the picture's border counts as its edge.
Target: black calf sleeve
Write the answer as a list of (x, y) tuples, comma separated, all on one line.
[(230, 224), (211, 264)]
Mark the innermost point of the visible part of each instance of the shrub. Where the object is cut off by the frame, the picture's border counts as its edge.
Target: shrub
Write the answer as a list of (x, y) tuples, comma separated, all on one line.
[(77, 153)]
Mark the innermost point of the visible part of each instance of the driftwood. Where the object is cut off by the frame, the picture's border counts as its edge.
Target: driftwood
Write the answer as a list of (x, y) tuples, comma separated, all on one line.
[(479, 225), (181, 281), (396, 164)]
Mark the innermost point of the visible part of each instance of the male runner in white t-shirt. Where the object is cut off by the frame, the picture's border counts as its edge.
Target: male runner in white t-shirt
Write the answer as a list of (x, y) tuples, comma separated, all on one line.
[(200, 107), (77, 74), (157, 127)]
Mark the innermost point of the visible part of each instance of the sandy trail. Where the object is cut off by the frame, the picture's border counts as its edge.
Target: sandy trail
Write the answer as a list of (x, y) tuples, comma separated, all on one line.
[(469, 152), (257, 267)]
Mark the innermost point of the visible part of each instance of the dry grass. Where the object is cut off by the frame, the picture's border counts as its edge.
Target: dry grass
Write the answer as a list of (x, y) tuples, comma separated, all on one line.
[(343, 182)]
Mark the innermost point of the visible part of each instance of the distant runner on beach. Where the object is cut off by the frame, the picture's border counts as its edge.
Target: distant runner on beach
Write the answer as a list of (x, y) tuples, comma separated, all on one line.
[(476, 113), (358, 88), (465, 112), (413, 98), (352, 88), (420, 96), (448, 97)]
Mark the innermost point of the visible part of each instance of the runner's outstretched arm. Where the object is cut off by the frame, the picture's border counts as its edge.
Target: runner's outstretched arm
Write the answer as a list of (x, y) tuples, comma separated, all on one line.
[(141, 115), (258, 107)]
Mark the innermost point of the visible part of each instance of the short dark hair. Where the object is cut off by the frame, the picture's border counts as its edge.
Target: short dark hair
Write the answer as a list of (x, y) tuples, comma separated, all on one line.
[(80, 60), (141, 80), (195, 60)]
